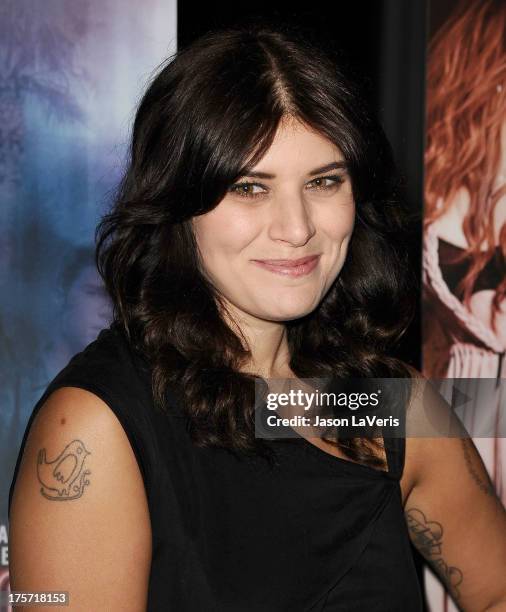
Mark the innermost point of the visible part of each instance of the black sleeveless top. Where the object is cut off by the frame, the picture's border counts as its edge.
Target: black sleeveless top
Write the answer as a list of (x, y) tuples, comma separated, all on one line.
[(315, 532)]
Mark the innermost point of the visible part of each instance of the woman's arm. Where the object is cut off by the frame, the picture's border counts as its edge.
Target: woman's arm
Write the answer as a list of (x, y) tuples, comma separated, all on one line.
[(79, 518), (455, 519)]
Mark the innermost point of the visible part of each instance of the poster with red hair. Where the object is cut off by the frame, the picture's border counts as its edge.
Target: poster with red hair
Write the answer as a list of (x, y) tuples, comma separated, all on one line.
[(464, 248)]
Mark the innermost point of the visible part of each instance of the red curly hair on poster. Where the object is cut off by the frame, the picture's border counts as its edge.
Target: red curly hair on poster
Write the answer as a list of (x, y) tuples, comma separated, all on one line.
[(466, 129)]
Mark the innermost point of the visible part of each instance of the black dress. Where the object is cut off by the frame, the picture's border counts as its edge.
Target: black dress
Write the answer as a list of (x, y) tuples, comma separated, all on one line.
[(316, 532)]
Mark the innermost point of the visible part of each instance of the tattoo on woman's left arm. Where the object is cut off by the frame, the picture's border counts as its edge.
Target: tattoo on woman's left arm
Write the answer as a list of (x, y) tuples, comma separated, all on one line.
[(427, 536), (484, 484)]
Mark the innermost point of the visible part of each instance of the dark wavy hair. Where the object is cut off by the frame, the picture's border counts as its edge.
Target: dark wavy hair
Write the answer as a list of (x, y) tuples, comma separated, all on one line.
[(209, 114)]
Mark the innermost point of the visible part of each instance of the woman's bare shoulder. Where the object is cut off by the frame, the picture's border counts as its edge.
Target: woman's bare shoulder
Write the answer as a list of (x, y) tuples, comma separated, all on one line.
[(429, 417), (79, 509)]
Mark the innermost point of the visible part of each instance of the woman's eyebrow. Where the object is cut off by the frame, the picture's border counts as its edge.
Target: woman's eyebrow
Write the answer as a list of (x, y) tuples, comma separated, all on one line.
[(331, 166)]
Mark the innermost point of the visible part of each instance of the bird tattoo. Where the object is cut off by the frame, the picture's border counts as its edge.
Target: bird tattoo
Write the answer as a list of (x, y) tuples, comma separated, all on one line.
[(65, 477)]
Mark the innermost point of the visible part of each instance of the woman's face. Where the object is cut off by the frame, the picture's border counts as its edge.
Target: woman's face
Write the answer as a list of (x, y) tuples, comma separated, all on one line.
[(276, 242)]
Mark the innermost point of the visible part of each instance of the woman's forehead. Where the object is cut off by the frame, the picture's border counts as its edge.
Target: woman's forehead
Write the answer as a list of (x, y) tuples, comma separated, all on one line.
[(298, 147)]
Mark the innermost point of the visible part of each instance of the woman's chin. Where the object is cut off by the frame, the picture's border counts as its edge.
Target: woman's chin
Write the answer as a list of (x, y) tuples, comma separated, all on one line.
[(290, 312)]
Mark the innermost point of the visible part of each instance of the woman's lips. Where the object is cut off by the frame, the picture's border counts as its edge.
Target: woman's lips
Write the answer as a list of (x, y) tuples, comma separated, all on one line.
[(289, 267)]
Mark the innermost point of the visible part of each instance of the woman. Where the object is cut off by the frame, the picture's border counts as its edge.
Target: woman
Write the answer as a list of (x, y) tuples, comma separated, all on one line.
[(256, 236)]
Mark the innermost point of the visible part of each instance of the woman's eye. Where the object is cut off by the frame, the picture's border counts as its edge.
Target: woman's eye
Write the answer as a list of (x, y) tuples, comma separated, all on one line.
[(325, 183), (247, 190)]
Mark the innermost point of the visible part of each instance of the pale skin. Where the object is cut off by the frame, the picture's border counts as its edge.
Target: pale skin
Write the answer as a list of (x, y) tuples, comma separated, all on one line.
[(94, 544), (296, 213)]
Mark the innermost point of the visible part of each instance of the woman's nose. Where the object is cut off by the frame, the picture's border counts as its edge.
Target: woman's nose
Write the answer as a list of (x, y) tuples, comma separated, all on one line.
[(291, 220)]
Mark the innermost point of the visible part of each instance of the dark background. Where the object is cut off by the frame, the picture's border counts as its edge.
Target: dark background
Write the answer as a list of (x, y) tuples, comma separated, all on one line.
[(385, 42)]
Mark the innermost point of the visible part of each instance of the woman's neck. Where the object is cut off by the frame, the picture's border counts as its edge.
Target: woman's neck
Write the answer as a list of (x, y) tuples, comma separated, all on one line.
[(267, 342)]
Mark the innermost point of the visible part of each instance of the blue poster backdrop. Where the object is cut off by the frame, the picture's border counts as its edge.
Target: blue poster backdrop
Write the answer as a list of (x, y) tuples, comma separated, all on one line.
[(71, 74)]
